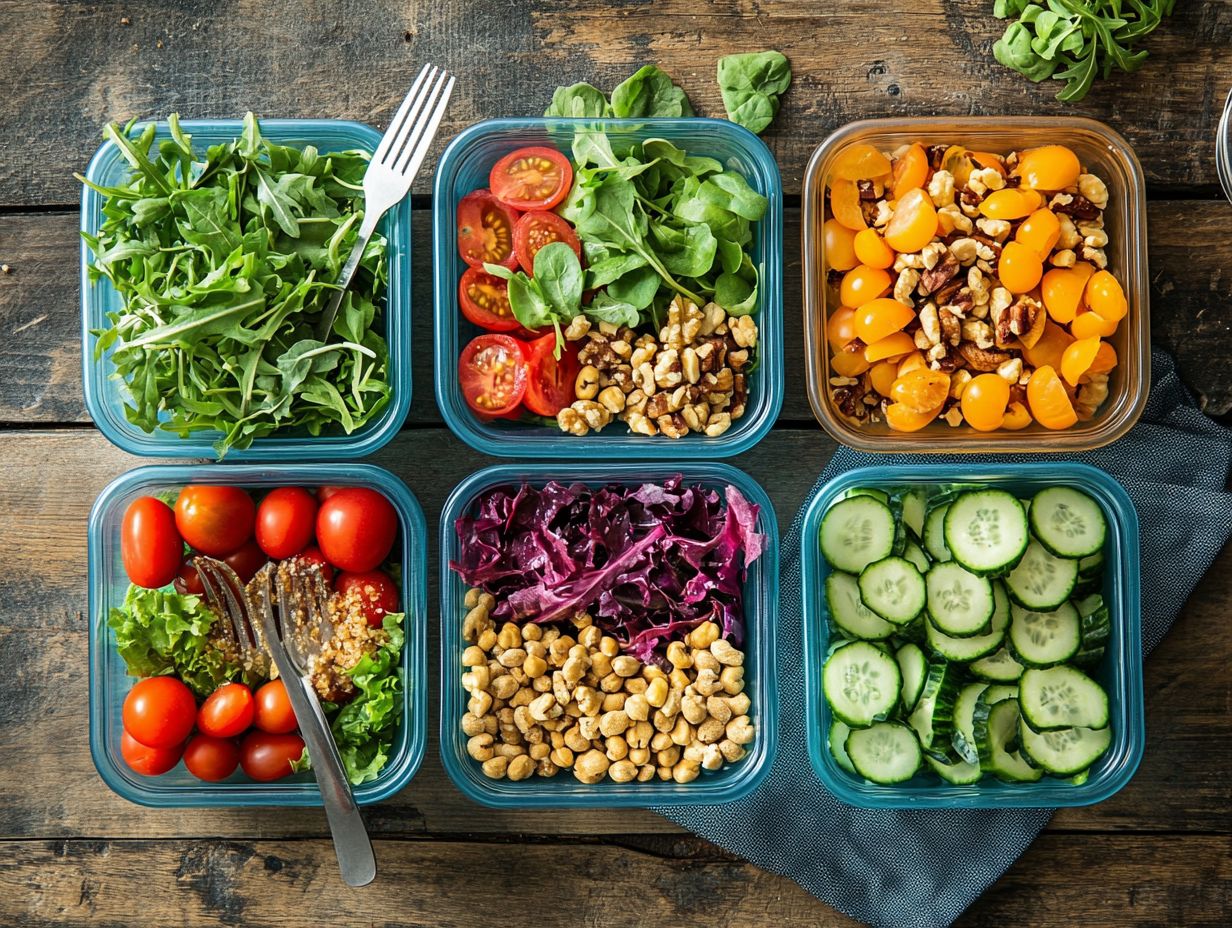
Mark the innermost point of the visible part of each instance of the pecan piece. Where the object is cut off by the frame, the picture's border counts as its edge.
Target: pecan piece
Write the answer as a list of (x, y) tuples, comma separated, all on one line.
[(951, 362), (951, 326), (740, 395), (982, 359), (945, 294), (935, 154), (942, 273), (1014, 180), (1078, 207), (598, 352), (970, 198), (865, 187), (657, 405), (847, 399), (1019, 321)]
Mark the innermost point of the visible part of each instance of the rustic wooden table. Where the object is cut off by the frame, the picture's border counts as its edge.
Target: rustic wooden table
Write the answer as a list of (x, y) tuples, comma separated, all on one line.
[(1158, 853)]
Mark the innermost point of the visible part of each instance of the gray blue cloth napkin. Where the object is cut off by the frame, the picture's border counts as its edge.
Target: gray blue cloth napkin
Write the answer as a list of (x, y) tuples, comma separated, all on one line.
[(902, 869)]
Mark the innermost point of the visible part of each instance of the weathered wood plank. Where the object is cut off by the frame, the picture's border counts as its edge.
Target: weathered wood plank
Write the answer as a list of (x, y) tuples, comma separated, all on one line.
[(71, 67)]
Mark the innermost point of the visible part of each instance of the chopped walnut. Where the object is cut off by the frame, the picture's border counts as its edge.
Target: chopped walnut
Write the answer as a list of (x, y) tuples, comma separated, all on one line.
[(985, 360), (1093, 189), (908, 278), (1063, 258), (941, 188), (951, 326)]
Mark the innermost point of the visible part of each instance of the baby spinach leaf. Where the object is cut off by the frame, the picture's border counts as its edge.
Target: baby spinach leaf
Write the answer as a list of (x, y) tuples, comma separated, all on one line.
[(735, 294), (604, 271), (649, 92), (578, 101), (637, 288), (559, 275), (606, 308), (751, 85)]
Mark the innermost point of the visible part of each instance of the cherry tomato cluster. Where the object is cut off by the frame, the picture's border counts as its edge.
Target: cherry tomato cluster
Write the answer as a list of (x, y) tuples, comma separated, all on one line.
[(513, 370)]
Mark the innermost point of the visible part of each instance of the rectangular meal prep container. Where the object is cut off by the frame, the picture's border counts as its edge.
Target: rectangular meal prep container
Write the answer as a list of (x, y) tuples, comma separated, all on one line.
[(1101, 151), (105, 396), (1120, 672), (110, 683), (563, 791), (465, 166)]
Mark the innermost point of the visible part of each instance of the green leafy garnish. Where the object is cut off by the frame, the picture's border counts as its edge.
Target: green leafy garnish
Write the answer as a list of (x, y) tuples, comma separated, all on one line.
[(751, 85), (1076, 40), (364, 727), (649, 92), (224, 266), (552, 296), (579, 101)]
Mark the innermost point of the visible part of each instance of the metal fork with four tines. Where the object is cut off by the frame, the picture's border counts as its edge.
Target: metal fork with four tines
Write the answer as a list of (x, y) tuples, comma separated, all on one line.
[(393, 167), (293, 636)]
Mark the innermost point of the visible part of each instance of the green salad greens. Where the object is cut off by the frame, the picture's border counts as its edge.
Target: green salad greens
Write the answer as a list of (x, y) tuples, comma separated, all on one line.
[(751, 85), (224, 264), (552, 296), (364, 728)]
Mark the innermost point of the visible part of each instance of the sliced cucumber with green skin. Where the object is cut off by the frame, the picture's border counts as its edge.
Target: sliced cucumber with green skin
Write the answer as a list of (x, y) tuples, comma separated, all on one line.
[(995, 729), (960, 604), (915, 554), (1091, 567), (1044, 639), (848, 612), (893, 588), (934, 534), (913, 504), (1095, 627), (857, 531), (1065, 752), (969, 649), (838, 745), (913, 666), (913, 631), (1079, 778), (999, 691), (884, 753), (862, 684), (986, 531), (1041, 581), (933, 715), (998, 667), (1062, 697), (962, 773), (963, 738), (880, 495), (1068, 522)]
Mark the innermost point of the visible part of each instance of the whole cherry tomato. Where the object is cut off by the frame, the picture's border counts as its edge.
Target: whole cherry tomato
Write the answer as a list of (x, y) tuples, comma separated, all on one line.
[(377, 591), (274, 712), (313, 555), (285, 521), (356, 529), (269, 757), (247, 560), (227, 712), (150, 545), (159, 712), (210, 758), (188, 581), (214, 520), (147, 761)]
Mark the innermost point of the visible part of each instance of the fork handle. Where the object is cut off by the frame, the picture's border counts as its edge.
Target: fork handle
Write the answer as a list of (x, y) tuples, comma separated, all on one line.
[(367, 228)]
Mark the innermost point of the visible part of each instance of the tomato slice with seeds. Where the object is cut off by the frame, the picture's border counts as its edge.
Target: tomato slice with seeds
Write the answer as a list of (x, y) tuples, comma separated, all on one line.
[(485, 230), (484, 299), (493, 374), (551, 383), (531, 178), (538, 228)]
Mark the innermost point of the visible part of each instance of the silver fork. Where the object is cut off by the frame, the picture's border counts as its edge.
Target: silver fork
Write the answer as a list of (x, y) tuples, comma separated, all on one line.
[(292, 639), (393, 167)]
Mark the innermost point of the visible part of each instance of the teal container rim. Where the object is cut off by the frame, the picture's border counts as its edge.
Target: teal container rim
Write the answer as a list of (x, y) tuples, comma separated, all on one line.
[(102, 391), (1122, 592), (299, 790), (523, 441), (562, 791)]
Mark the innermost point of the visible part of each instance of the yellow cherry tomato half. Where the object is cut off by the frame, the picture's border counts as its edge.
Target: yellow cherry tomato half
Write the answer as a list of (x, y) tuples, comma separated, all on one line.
[(882, 376), (1049, 167), (1062, 289), (1078, 358), (1050, 347), (841, 327), (984, 401), (849, 363), (913, 362), (901, 419), (1088, 324), (894, 345), (1039, 232), (920, 390), (1020, 267), (862, 284), (860, 162), (1049, 400), (1017, 416), (1009, 203), (910, 170), (872, 250), (913, 224), (845, 204), (1105, 359), (1106, 297), (838, 243), (879, 318)]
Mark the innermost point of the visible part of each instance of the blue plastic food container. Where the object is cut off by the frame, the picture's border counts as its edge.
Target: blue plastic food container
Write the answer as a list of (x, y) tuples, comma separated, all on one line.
[(110, 683), (105, 395), (465, 166), (1120, 672), (761, 594)]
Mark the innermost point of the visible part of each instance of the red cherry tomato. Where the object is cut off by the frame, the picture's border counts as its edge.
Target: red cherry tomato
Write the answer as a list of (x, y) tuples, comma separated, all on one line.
[(247, 560), (356, 529), (209, 758), (313, 555), (538, 228), (188, 581), (284, 521), (485, 230), (214, 520), (150, 545), (550, 383), (147, 761), (492, 372), (269, 757), (484, 300), (377, 590), (274, 712), (227, 712), (159, 712), (535, 177)]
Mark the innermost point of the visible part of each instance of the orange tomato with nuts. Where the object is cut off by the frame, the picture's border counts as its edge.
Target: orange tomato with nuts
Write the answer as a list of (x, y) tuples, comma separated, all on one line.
[(893, 346), (1049, 167), (1039, 232), (879, 318), (860, 162), (841, 327), (845, 204), (1062, 290), (882, 375), (913, 224), (1078, 358), (1106, 296), (849, 363), (839, 243), (1009, 203), (921, 390), (901, 419), (1050, 347), (984, 401), (1017, 417), (862, 284), (1049, 400), (1092, 324)]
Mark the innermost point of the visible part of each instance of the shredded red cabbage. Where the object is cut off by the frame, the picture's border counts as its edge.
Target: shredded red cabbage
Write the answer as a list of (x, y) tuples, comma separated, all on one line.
[(648, 563)]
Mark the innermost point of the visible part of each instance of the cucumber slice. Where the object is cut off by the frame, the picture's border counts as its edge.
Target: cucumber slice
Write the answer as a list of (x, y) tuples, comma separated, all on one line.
[(999, 667), (838, 745), (961, 773), (913, 503), (1068, 522), (934, 534), (1062, 697), (1080, 778), (964, 722), (1044, 639), (986, 531), (1041, 581), (857, 531), (1000, 691), (913, 666), (969, 649), (1092, 566), (959, 603), (862, 684), (1094, 628), (933, 716), (884, 753), (894, 589), (848, 612), (1064, 752), (995, 729), (880, 495), (915, 554)]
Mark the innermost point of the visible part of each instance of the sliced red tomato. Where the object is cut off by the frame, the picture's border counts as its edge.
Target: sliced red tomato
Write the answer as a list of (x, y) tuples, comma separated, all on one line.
[(538, 228), (493, 374), (484, 299), (550, 383), (531, 178), (485, 230)]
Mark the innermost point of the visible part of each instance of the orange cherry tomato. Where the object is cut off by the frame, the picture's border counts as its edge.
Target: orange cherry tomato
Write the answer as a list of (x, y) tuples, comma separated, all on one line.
[(882, 376), (1049, 400), (1084, 269), (862, 284), (921, 390), (1106, 297), (1105, 359), (1039, 231), (984, 401), (1005, 204), (1020, 267), (913, 362), (914, 222), (872, 250), (1049, 348), (1078, 358), (1017, 417), (860, 162), (845, 204), (1049, 167), (837, 242), (910, 170), (892, 346), (879, 318), (957, 160), (902, 419), (1062, 289), (841, 327), (1033, 198), (1092, 324), (849, 363)]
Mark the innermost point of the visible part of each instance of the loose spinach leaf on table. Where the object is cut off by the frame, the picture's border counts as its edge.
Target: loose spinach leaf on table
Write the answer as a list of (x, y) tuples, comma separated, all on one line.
[(577, 101), (751, 85), (649, 92)]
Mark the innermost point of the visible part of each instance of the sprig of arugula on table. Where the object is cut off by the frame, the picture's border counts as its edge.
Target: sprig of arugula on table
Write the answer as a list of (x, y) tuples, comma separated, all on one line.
[(1076, 40)]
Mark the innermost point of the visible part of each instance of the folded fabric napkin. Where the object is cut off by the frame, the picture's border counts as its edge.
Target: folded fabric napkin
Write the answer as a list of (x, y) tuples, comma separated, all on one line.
[(923, 868)]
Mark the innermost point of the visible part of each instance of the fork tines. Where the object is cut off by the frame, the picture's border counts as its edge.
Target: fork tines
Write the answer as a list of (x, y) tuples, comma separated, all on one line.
[(406, 141)]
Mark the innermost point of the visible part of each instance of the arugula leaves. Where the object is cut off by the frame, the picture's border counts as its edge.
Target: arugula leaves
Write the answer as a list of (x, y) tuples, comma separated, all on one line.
[(751, 85), (1075, 40), (224, 266)]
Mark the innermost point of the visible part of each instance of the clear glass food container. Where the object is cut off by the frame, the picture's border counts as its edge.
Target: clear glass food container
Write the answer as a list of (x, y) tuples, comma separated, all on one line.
[(1102, 152)]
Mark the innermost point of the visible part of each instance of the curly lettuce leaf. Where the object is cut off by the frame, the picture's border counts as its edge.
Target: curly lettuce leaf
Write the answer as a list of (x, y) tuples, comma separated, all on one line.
[(364, 728)]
